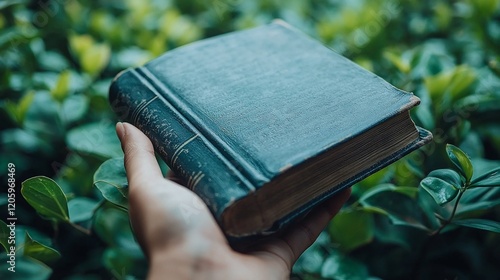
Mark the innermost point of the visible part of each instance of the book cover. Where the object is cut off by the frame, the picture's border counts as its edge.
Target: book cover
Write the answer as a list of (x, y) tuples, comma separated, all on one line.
[(229, 114)]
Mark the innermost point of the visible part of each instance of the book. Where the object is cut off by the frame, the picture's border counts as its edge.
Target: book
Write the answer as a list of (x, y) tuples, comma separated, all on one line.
[(266, 123)]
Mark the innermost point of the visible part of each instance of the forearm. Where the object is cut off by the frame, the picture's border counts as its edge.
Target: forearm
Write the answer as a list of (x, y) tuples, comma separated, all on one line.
[(215, 263)]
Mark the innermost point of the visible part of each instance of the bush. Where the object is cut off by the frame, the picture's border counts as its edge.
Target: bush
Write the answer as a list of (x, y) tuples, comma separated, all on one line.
[(57, 59)]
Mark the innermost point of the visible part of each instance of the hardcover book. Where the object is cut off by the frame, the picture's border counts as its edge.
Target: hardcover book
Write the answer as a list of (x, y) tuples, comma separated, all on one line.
[(266, 123)]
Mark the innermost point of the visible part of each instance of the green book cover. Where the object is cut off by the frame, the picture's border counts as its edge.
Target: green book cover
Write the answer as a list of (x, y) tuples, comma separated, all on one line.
[(266, 123)]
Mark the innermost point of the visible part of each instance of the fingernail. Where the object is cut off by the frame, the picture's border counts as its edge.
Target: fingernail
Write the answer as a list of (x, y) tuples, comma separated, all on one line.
[(120, 130)]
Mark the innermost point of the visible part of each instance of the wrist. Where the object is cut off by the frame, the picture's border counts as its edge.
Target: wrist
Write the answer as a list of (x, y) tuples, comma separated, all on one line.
[(188, 261)]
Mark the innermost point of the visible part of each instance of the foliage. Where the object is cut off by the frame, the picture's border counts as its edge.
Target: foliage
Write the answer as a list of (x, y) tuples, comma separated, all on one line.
[(56, 63)]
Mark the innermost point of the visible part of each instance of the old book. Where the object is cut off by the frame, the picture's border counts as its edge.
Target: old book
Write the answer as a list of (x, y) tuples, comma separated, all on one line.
[(266, 123)]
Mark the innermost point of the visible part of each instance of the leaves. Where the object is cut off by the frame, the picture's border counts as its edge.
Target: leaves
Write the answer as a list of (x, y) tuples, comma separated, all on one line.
[(311, 260), (397, 203), (81, 209), (61, 89), (478, 200), (39, 251), (18, 111), (484, 8), (483, 224), (461, 161), (337, 266), (123, 261), (93, 56), (490, 179), (42, 116), (398, 61), (28, 268), (450, 85), (74, 108), (408, 191), (48, 199), (112, 225), (448, 175), (98, 139), (55, 76), (111, 180), (79, 44), (4, 236), (352, 228), (442, 191)]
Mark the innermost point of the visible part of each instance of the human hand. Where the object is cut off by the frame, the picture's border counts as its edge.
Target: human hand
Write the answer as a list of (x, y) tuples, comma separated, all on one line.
[(195, 247)]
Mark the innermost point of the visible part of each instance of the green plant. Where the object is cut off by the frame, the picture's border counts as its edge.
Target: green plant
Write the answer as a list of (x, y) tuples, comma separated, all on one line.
[(57, 61), (355, 226), (409, 217)]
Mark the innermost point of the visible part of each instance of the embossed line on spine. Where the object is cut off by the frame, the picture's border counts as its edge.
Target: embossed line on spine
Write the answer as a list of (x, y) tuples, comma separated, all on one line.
[(138, 73), (178, 151), (140, 107)]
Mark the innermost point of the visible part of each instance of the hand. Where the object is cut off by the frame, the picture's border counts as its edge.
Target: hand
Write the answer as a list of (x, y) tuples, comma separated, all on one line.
[(192, 246)]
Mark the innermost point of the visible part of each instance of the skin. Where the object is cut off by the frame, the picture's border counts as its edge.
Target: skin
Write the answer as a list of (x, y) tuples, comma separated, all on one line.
[(180, 236)]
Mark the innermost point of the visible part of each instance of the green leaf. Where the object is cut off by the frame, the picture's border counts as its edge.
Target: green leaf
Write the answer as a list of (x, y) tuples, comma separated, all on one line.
[(5, 4), (436, 85), (112, 225), (61, 89), (398, 61), (460, 160), (388, 233), (374, 210), (131, 57), (352, 229), (383, 188), (463, 78), (490, 179), (450, 85), (98, 139), (29, 268), (484, 8), (95, 58), (4, 236), (123, 262), (483, 224), (48, 199), (42, 116), (442, 191), (74, 108), (430, 208), (408, 191), (424, 115), (398, 204), (23, 106), (81, 209), (111, 180), (448, 175), (52, 61), (337, 266), (18, 111), (79, 44), (38, 251), (477, 200), (311, 260)]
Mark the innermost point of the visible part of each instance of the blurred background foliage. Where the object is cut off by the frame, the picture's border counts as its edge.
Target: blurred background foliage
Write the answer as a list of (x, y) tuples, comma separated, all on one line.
[(57, 59)]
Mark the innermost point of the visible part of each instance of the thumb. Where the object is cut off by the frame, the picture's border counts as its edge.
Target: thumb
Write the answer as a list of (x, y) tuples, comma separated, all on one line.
[(140, 161)]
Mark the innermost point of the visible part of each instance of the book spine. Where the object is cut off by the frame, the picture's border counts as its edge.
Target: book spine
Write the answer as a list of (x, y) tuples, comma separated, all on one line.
[(201, 167)]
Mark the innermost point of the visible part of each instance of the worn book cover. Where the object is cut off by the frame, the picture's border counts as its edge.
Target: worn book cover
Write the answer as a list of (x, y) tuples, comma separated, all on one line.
[(266, 123)]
